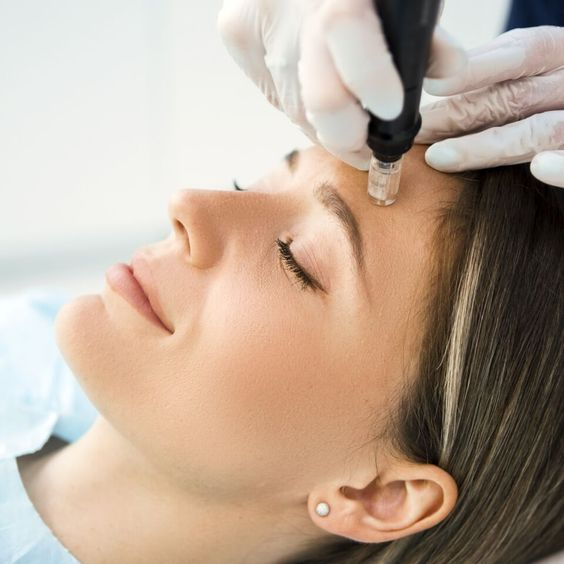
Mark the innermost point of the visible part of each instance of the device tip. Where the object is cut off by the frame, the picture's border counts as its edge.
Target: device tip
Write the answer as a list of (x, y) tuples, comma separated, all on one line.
[(383, 181)]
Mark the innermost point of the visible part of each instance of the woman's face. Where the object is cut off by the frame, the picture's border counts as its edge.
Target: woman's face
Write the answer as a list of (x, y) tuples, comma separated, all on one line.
[(265, 385)]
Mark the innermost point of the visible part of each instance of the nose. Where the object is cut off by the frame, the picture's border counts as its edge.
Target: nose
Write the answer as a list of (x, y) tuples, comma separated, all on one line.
[(192, 214), (209, 222)]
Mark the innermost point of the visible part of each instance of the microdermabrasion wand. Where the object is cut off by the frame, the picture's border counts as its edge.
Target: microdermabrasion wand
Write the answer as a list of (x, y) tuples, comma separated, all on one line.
[(408, 26)]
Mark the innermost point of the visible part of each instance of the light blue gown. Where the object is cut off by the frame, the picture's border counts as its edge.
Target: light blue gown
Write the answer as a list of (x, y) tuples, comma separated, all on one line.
[(39, 397)]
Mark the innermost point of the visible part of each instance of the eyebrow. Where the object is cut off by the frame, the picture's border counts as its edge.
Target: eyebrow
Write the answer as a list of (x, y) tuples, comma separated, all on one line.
[(329, 197)]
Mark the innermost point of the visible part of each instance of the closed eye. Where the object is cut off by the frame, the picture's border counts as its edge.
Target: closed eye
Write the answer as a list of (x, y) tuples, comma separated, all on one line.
[(289, 262)]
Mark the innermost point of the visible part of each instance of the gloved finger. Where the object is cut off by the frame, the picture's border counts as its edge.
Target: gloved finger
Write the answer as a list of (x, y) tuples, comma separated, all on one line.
[(514, 143), (491, 106), (339, 121), (515, 54), (239, 29), (281, 59), (447, 55), (360, 53), (548, 167)]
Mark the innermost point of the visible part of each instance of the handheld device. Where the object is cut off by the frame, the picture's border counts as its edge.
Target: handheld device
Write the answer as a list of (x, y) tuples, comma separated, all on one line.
[(408, 26)]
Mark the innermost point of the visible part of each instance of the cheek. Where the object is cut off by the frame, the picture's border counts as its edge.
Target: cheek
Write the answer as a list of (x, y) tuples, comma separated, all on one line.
[(258, 393), (261, 393)]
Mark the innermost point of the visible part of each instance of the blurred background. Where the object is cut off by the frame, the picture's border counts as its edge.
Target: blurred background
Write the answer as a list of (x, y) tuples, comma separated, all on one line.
[(108, 107)]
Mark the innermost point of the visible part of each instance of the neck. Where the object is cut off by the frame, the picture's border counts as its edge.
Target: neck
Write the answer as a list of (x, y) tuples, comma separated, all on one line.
[(106, 503)]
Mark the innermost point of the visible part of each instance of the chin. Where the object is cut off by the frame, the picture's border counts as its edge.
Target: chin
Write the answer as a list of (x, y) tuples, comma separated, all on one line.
[(79, 326), (106, 359)]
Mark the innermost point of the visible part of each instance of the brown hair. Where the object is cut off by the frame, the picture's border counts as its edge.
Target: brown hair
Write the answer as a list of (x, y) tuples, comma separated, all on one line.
[(488, 403)]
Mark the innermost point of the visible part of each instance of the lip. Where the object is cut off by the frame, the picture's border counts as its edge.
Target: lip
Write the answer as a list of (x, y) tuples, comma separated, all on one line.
[(134, 284)]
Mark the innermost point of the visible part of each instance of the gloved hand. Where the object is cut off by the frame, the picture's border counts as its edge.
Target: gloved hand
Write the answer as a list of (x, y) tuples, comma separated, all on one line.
[(321, 62), (516, 82)]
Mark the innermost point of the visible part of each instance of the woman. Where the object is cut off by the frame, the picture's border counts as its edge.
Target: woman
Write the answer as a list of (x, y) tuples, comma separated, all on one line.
[(321, 380)]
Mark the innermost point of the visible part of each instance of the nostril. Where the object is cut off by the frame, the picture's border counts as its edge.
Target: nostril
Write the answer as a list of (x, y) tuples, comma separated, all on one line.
[(182, 233)]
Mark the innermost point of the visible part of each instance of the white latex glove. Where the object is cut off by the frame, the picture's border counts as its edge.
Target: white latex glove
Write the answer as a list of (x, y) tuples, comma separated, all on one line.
[(515, 82), (323, 61)]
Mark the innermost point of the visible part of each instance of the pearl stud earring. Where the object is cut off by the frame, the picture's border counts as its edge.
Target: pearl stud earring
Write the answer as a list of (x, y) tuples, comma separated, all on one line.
[(322, 509)]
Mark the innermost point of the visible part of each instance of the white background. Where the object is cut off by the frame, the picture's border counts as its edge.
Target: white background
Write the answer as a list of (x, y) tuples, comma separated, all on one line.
[(109, 106)]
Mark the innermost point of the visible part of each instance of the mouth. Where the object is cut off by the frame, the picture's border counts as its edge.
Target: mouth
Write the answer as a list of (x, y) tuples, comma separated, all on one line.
[(135, 283), (142, 272)]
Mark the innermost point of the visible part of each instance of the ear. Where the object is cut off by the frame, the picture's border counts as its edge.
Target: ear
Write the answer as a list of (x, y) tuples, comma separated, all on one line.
[(403, 499)]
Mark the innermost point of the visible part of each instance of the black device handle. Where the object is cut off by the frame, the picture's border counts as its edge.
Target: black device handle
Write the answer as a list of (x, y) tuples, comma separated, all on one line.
[(408, 26)]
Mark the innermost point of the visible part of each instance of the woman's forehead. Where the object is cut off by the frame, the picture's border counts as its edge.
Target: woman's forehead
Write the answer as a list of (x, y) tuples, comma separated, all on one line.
[(423, 190), (420, 185)]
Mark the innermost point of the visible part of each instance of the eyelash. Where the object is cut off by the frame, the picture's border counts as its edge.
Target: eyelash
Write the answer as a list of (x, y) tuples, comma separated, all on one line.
[(237, 187), (287, 257)]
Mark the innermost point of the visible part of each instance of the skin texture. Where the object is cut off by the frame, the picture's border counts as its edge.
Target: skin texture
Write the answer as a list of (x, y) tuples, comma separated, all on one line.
[(216, 441)]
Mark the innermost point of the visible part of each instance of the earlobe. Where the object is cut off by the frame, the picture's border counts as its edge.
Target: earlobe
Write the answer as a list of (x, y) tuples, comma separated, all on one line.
[(405, 498)]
